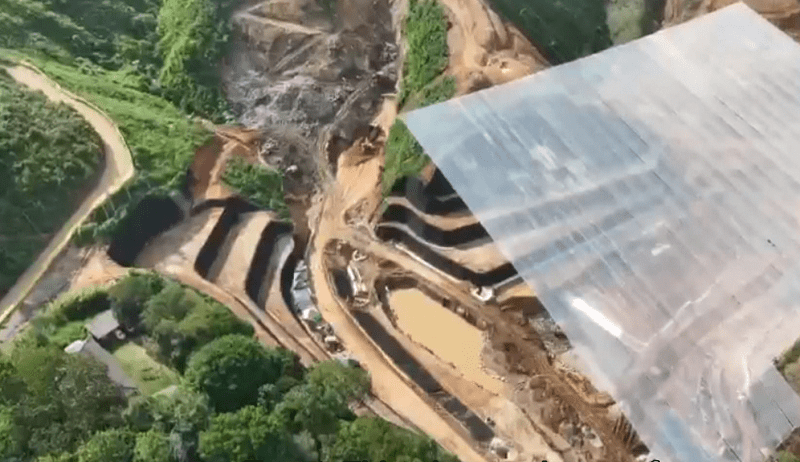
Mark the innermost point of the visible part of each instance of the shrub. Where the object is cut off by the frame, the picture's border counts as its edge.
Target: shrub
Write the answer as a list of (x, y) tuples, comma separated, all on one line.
[(78, 306), (404, 155), (259, 184), (427, 55), (129, 295), (231, 369)]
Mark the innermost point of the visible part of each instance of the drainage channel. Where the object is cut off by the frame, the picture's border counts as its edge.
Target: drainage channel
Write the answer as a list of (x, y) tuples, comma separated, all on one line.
[(477, 428)]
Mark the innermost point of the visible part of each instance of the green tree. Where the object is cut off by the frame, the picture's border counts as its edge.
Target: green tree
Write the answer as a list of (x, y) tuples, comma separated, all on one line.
[(372, 438), (68, 398), (318, 405), (172, 303), (152, 446), (110, 445), (231, 369), (139, 415), (246, 435), (129, 295), (182, 414), (11, 436)]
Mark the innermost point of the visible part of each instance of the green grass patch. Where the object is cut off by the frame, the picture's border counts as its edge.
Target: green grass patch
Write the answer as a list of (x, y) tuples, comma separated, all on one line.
[(565, 30), (48, 153), (150, 375), (261, 185), (425, 30), (423, 84), (404, 156)]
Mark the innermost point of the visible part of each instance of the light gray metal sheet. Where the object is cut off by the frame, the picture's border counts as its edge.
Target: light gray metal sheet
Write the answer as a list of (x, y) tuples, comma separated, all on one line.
[(650, 195)]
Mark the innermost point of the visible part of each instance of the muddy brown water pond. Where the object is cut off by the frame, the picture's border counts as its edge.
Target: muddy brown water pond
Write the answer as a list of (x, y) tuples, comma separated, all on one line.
[(444, 333)]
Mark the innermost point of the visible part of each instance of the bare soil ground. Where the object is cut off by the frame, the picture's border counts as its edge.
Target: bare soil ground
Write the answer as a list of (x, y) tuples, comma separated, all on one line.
[(303, 76), (484, 50), (510, 422), (783, 13), (569, 415), (210, 160)]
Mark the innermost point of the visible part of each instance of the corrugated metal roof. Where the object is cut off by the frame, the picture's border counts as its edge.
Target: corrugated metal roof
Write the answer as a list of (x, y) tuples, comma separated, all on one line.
[(650, 194)]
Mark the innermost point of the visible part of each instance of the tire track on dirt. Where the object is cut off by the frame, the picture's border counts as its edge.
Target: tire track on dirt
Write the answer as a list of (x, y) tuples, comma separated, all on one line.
[(117, 170)]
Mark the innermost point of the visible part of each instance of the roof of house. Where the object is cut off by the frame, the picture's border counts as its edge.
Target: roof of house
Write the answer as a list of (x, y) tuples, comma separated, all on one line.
[(103, 324), (89, 347), (649, 195)]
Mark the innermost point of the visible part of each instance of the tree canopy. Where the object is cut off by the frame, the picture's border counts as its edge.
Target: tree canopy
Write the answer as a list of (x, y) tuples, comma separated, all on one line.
[(231, 369)]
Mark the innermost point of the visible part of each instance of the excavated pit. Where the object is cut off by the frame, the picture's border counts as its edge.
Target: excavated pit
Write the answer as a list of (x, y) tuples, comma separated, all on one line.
[(263, 267), (273, 249), (233, 209), (422, 196), (150, 217), (477, 428), (465, 237), (501, 276)]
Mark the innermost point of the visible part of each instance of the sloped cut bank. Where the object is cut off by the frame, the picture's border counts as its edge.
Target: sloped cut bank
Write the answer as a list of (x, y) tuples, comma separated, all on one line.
[(465, 237), (151, 216), (234, 207), (258, 275), (499, 276)]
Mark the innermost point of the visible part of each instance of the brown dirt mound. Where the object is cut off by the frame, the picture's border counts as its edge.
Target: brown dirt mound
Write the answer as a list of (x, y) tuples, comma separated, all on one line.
[(484, 50)]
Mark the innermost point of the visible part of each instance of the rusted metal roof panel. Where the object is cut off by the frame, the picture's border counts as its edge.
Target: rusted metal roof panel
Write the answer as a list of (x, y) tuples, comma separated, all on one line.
[(650, 194)]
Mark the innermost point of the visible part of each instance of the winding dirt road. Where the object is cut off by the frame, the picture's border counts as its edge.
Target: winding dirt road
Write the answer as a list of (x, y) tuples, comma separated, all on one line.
[(117, 170)]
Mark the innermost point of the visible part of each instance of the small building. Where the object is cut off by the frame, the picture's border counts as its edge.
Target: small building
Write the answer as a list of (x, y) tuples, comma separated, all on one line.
[(105, 329), (90, 348)]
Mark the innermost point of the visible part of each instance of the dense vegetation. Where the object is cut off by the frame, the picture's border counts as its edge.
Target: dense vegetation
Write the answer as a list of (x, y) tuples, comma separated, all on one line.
[(172, 47), (259, 184), (48, 153), (237, 400), (161, 138), (422, 84), (147, 63), (425, 30)]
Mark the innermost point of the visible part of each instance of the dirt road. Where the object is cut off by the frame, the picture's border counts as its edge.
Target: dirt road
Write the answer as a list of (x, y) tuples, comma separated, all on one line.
[(118, 169), (356, 189)]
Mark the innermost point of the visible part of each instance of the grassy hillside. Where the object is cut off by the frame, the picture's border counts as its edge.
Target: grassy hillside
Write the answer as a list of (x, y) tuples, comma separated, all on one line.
[(172, 46), (48, 153), (149, 64)]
